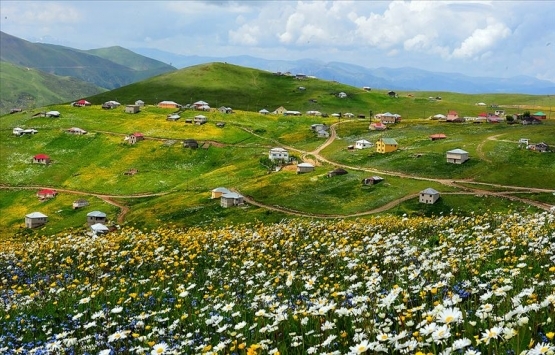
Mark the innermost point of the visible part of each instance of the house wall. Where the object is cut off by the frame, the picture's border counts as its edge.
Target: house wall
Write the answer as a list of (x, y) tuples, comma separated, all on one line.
[(456, 158), (428, 198), (304, 170), (93, 220), (385, 148), (35, 222), (132, 108), (41, 161)]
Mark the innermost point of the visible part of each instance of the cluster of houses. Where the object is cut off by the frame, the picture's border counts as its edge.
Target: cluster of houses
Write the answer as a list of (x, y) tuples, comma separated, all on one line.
[(541, 147), (227, 197), (487, 117), (96, 220)]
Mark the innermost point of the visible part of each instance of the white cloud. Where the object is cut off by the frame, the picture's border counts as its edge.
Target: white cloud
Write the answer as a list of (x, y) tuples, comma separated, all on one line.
[(246, 35), (482, 39)]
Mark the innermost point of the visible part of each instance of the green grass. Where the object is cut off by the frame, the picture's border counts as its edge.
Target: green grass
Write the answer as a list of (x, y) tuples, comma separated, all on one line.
[(95, 163)]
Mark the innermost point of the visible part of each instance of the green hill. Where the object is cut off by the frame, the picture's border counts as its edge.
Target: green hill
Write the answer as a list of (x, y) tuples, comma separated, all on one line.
[(172, 184), (29, 88), (64, 61), (222, 84)]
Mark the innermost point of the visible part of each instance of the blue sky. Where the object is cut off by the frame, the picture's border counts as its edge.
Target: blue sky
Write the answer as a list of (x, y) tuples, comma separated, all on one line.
[(477, 38)]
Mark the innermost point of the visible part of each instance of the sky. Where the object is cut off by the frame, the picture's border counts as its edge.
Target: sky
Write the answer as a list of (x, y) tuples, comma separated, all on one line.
[(477, 38)]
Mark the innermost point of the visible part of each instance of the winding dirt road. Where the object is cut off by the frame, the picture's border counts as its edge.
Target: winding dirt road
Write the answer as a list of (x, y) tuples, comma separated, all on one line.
[(506, 191)]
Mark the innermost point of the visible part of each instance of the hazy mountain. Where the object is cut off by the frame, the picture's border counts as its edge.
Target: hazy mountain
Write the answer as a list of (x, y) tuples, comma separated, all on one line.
[(108, 68), (384, 78)]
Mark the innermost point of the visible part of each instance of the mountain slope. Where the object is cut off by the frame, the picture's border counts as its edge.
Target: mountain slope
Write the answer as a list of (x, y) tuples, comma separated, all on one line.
[(27, 88), (64, 61)]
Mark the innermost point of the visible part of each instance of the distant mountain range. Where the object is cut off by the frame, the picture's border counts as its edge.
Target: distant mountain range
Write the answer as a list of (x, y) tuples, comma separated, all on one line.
[(405, 79)]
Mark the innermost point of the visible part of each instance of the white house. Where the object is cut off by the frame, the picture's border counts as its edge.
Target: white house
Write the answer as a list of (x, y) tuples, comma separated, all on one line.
[(231, 199), (279, 154), (200, 119), (35, 219), (363, 144), (428, 196), (457, 156), (99, 228), (342, 95)]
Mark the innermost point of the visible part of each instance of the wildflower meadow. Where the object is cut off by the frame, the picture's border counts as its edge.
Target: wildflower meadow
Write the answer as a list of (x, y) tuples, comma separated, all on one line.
[(446, 285)]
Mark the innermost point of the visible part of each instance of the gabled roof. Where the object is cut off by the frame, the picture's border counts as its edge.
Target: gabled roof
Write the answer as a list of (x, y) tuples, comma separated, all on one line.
[(429, 191), (264, 111), (200, 103), (231, 195), (46, 192), (278, 149), (305, 165), (221, 189), (457, 151), (96, 214), (389, 141), (36, 215), (41, 156)]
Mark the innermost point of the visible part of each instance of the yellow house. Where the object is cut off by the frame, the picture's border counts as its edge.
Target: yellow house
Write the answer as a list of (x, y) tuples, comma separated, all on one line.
[(386, 145)]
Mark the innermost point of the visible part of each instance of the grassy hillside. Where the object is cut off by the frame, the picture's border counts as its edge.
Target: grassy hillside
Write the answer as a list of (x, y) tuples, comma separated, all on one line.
[(28, 88), (173, 183), (64, 61), (130, 59), (251, 90)]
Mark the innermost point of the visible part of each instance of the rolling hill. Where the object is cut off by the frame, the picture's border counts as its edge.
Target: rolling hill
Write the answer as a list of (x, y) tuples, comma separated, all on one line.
[(89, 67), (29, 88)]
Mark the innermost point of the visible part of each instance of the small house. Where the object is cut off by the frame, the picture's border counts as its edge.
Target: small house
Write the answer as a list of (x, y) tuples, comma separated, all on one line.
[(279, 154), (168, 104), (132, 109), (304, 168), (452, 116), (108, 105), (81, 103), (134, 138), (200, 105), (76, 130), (349, 115), (389, 118), (80, 203), (35, 219), (386, 145), (342, 95), (99, 228), (539, 147), (54, 114), (313, 113), (263, 112), (173, 117), (279, 111), (440, 117), (15, 110), (41, 159), (337, 171), (218, 192), (220, 124), (437, 136), (96, 217), (45, 194), (140, 103), (373, 180), (428, 196), (539, 115), (224, 109), (391, 94), (231, 199), (500, 113), (362, 144), (377, 126), (366, 88), (200, 119), (457, 156), (292, 113), (17, 131), (190, 143)]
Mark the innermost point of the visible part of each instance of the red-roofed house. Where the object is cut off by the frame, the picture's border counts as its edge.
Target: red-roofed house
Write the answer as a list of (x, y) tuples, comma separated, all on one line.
[(134, 137), (46, 194), (41, 159), (437, 136), (453, 116)]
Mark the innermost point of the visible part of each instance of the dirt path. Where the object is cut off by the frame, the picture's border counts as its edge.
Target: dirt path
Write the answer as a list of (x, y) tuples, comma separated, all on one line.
[(318, 158), (104, 197)]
